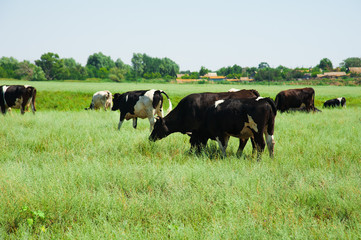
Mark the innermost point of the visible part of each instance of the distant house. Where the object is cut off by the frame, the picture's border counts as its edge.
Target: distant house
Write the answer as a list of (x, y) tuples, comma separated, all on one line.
[(331, 75), (180, 75), (356, 70), (209, 75)]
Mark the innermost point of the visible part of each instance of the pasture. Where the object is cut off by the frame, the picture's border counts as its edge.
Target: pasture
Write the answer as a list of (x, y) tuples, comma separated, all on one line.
[(67, 173)]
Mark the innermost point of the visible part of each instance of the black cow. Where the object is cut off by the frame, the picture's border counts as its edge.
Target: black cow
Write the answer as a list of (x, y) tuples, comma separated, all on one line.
[(336, 102), (17, 96), (296, 99), (243, 119), (142, 104), (189, 115)]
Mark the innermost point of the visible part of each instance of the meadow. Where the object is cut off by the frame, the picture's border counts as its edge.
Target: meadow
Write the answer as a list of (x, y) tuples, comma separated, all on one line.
[(67, 173)]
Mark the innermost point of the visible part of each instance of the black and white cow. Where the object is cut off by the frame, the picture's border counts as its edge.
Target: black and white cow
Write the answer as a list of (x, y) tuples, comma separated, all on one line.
[(142, 104), (243, 119), (336, 102), (101, 99), (18, 97), (189, 115)]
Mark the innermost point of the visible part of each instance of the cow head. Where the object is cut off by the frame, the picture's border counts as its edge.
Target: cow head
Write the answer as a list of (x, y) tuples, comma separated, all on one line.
[(343, 101), (160, 130), (116, 101)]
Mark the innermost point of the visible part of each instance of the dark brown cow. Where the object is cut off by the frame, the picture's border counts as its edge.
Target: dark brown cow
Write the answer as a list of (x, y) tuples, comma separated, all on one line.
[(189, 115), (296, 99), (17, 96), (243, 119)]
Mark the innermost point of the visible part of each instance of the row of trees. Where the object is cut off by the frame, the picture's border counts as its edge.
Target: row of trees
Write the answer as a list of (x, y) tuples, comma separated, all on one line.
[(51, 67), (281, 73)]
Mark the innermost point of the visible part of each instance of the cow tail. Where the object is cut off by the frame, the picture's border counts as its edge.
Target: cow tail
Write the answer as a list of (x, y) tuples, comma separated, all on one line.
[(273, 105), (33, 99), (277, 100), (272, 115), (170, 103)]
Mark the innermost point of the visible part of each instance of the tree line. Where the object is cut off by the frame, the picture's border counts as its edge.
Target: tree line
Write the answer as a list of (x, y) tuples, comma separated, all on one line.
[(51, 67)]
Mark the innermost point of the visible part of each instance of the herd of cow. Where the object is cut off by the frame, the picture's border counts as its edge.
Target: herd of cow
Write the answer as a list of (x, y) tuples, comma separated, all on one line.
[(218, 116)]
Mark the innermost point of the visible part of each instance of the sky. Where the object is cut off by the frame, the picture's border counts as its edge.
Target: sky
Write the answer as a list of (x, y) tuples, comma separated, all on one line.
[(193, 33)]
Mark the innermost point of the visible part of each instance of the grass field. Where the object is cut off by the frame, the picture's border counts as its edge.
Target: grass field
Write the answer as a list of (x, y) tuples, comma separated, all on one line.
[(69, 174)]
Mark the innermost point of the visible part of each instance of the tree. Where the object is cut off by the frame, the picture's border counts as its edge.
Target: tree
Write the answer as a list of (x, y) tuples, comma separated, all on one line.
[(73, 70), (138, 64), (203, 71), (52, 66), (326, 64), (8, 66), (351, 62), (263, 65), (99, 60)]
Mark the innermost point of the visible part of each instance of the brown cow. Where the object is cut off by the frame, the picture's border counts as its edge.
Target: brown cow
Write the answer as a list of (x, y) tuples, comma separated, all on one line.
[(296, 99)]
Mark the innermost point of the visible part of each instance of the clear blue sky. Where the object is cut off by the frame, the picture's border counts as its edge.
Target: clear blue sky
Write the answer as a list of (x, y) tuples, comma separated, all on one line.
[(193, 33)]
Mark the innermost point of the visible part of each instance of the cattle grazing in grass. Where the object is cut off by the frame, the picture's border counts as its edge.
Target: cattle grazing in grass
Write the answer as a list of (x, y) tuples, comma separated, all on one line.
[(101, 99), (336, 102), (140, 104), (18, 97), (243, 119), (296, 99), (189, 116)]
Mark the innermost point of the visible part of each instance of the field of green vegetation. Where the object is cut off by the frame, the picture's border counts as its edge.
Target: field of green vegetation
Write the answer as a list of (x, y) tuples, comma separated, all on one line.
[(67, 173)]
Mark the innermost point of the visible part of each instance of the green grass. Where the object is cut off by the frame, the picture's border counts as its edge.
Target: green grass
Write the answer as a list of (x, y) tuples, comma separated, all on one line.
[(75, 96), (71, 175)]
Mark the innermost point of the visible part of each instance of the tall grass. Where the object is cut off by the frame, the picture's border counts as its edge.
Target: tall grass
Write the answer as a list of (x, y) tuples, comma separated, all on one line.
[(72, 175)]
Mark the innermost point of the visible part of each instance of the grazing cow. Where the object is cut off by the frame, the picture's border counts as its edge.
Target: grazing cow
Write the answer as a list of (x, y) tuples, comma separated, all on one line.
[(243, 119), (101, 99), (337, 102), (17, 96), (189, 115), (142, 104), (296, 99)]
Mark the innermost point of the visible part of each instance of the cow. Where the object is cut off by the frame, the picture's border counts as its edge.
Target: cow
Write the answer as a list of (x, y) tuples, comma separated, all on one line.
[(296, 99), (142, 104), (336, 102), (189, 115), (243, 119), (101, 99), (18, 97)]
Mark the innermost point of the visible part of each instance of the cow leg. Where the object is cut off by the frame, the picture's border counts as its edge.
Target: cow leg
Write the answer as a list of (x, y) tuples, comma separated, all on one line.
[(254, 149), (242, 144), (22, 109), (151, 119), (121, 120), (3, 109), (270, 144), (135, 122), (151, 122), (223, 143), (260, 145), (32, 107)]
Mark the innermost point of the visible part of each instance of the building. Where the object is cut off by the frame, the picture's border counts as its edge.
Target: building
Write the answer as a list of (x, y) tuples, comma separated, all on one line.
[(356, 70), (331, 75)]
